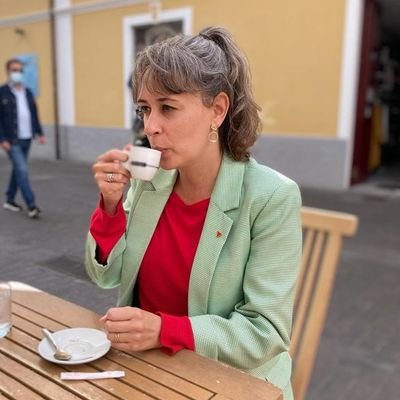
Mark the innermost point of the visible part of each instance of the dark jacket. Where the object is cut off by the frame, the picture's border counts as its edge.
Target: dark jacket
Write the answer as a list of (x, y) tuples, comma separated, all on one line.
[(8, 115)]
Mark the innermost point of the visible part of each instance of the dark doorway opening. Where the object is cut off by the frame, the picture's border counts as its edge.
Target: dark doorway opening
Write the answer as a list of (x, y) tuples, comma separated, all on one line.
[(376, 155)]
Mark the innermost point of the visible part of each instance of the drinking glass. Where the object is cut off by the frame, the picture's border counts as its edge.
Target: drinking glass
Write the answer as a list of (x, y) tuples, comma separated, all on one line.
[(5, 308)]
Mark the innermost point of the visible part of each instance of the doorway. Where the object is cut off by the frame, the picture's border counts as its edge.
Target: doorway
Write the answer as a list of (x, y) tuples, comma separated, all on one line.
[(376, 156)]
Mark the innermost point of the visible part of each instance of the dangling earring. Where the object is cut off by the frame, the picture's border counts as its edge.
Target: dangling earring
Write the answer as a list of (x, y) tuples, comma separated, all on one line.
[(213, 134)]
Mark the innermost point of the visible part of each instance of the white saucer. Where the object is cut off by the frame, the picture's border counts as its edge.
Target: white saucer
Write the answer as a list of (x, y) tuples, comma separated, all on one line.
[(84, 344)]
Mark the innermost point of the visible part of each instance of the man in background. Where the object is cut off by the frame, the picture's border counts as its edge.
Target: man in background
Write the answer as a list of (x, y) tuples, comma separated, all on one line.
[(19, 124)]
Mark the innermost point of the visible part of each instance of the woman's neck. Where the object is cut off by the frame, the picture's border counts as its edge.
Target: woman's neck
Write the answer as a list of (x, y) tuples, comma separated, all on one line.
[(197, 183)]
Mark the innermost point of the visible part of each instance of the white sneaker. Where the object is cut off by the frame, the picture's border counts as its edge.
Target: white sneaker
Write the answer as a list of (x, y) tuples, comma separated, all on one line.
[(34, 212), (12, 206)]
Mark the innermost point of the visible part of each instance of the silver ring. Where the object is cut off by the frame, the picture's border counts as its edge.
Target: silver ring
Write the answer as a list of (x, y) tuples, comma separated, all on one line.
[(110, 177)]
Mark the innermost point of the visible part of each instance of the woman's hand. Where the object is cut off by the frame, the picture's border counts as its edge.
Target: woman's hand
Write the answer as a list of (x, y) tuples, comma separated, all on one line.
[(111, 177), (132, 329)]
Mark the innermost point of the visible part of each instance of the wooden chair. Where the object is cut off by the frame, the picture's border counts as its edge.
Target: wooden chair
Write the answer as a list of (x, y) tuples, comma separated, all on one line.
[(322, 243)]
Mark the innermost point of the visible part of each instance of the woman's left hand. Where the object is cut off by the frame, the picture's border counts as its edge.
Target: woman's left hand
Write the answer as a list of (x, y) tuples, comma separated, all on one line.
[(132, 329)]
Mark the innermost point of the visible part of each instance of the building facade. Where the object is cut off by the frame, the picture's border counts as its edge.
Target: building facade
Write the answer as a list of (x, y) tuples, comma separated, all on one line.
[(304, 57)]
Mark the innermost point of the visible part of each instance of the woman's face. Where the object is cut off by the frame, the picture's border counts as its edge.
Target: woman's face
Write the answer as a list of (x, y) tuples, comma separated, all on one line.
[(177, 125)]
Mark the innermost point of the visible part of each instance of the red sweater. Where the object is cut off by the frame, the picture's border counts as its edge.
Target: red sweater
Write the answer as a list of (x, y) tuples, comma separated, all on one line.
[(163, 280)]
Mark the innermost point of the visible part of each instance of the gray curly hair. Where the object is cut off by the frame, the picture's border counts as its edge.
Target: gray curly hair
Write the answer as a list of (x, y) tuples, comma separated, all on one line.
[(208, 63)]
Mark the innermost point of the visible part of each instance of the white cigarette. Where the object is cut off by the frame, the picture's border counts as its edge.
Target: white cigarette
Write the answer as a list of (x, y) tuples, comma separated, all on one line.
[(91, 375)]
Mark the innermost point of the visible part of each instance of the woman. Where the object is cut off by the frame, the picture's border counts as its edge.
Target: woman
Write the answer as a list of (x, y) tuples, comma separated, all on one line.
[(206, 254)]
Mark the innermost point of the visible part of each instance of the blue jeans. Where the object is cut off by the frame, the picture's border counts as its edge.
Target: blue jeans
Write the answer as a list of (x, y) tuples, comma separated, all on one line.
[(18, 155)]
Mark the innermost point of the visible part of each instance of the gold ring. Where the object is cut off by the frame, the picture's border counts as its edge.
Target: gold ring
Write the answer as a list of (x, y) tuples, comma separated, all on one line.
[(110, 177), (117, 338)]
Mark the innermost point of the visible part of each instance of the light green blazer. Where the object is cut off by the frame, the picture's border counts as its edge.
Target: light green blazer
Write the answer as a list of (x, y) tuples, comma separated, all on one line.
[(243, 276)]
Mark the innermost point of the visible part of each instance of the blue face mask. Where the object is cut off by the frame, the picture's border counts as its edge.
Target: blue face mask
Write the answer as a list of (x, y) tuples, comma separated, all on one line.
[(16, 77)]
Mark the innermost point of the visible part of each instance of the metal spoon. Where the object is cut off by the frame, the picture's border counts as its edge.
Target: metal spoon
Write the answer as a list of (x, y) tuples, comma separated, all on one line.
[(59, 353)]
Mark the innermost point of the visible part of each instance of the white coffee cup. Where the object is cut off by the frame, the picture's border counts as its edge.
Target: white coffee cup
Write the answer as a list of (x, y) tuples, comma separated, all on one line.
[(142, 162)]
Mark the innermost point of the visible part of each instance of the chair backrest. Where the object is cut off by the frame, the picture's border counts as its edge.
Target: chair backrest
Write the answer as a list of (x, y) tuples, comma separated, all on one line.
[(322, 243)]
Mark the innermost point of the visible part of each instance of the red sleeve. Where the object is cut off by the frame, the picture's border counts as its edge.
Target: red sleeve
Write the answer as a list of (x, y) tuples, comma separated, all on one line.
[(176, 333), (107, 229)]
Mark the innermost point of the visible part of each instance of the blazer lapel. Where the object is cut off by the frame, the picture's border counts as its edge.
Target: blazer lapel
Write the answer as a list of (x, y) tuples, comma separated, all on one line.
[(225, 197)]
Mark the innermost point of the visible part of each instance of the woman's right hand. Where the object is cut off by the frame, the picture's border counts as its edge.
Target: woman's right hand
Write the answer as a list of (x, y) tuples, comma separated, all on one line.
[(111, 177)]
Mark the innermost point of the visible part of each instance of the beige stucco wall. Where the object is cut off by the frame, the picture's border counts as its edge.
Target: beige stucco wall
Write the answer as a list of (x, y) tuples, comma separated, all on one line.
[(20, 7), (294, 48), (98, 58)]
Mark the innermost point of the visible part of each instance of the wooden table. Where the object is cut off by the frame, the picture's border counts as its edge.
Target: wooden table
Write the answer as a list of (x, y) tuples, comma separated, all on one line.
[(149, 375)]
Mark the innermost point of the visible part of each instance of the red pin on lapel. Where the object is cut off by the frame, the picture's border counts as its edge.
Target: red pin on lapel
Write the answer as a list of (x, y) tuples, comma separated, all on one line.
[(218, 234)]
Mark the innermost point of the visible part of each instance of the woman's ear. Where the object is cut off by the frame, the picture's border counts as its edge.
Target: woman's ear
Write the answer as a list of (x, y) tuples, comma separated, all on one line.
[(220, 106)]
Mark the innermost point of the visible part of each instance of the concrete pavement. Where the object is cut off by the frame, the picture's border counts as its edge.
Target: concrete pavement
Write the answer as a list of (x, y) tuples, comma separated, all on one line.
[(359, 356)]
